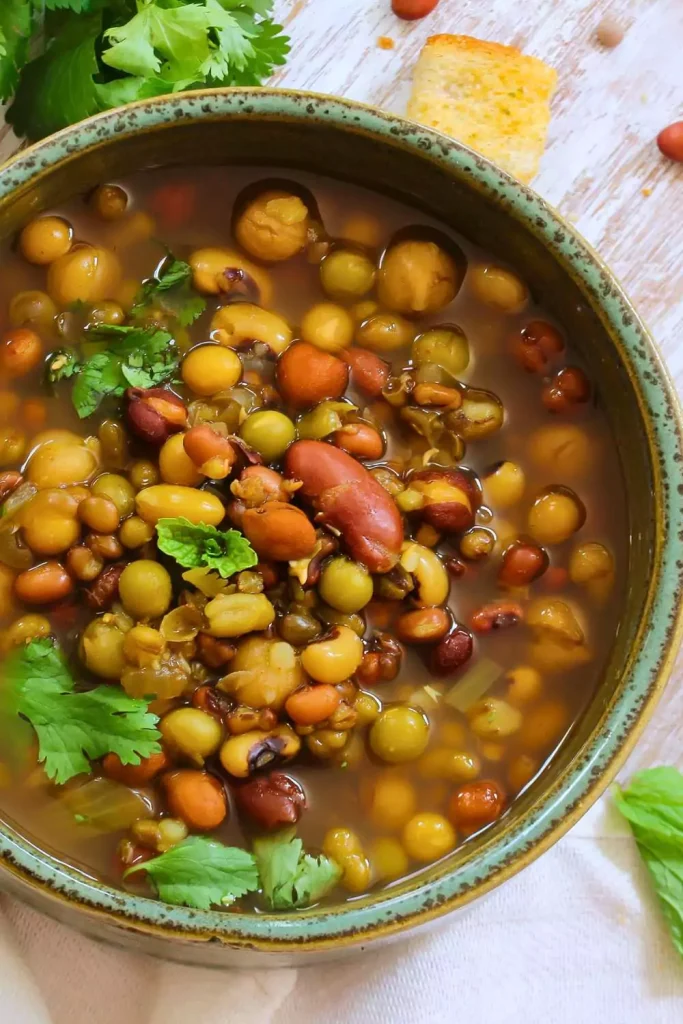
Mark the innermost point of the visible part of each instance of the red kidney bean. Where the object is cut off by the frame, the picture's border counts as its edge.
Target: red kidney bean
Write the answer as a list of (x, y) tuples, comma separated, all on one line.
[(271, 801), (454, 651)]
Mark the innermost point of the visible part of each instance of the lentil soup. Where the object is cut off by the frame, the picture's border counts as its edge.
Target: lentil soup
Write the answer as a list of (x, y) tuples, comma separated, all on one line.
[(313, 526)]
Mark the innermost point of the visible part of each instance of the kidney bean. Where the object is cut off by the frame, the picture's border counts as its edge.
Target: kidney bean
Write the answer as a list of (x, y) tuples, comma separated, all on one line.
[(312, 704), (271, 801), (212, 452), (455, 568), (454, 651), (476, 804), (350, 500), (567, 389), (496, 615), (279, 531), (413, 10), (423, 625), (537, 345), (43, 584), (102, 593), (449, 498), (360, 440), (20, 351), (259, 484), (521, 564), (154, 414), (307, 375), (670, 142), (369, 373), (196, 797), (134, 774)]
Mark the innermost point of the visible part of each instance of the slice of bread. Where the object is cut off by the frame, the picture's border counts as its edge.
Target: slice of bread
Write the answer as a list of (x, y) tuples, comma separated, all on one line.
[(491, 97)]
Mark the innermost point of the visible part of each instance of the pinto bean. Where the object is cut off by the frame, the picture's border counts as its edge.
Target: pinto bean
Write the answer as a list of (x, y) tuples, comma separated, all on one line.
[(350, 500), (43, 584), (307, 375), (279, 532), (444, 498), (369, 373), (361, 440)]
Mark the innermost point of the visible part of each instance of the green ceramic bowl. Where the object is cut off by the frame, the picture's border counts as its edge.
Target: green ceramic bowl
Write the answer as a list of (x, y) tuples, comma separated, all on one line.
[(442, 178)]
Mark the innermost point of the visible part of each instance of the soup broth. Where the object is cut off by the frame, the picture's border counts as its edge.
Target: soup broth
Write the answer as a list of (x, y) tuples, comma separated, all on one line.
[(470, 621)]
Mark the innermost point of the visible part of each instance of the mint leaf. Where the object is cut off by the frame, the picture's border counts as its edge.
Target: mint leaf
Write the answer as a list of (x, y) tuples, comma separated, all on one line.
[(201, 873), (73, 728), (15, 30), (199, 546), (653, 806), (170, 291), (57, 88), (289, 877)]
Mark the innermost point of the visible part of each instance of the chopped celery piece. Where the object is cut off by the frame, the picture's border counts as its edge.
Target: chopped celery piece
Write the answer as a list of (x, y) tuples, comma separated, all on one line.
[(473, 685)]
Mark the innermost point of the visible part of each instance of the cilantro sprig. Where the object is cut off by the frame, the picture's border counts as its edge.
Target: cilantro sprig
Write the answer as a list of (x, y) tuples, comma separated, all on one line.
[(170, 292), (196, 546), (89, 55), (289, 877), (201, 873), (72, 728)]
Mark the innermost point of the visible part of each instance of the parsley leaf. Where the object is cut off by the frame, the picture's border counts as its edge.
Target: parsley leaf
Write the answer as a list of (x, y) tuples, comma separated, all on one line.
[(653, 806), (140, 357), (15, 29), (62, 364), (73, 728), (170, 291), (290, 877), (199, 546), (201, 873)]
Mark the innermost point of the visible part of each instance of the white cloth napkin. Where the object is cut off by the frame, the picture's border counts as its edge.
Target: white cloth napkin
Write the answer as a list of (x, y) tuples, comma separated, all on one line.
[(575, 939)]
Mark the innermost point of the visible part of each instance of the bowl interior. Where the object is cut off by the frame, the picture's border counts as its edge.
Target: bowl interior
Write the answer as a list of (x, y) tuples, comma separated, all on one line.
[(442, 179)]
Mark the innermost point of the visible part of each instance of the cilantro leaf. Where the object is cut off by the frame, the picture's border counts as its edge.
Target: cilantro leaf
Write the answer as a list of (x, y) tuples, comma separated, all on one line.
[(73, 728), (62, 364), (158, 39), (199, 546), (653, 806), (290, 877), (77, 6), (57, 88), (15, 29), (201, 873), (140, 357), (171, 292)]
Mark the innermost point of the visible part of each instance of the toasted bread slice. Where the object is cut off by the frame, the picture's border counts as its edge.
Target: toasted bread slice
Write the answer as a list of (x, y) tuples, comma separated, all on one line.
[(491, 97)]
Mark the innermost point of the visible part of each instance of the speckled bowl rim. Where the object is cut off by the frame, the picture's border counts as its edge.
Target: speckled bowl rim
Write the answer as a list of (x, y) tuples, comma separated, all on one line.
[(47, 882)]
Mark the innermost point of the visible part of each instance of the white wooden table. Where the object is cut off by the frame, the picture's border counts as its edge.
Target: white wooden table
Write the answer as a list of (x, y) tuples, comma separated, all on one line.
[(603, 171)]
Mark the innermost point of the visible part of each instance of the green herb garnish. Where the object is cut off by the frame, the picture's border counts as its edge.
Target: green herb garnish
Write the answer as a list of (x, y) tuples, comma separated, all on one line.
[(653, 806), (89, 55), (290, 877), (201, 873), (140, 357), (73, 728), (169, 291), (62, 364), (197, 546)]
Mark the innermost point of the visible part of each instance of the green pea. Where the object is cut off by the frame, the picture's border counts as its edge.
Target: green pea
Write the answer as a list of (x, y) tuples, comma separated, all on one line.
[(345, 585), (269, 432)]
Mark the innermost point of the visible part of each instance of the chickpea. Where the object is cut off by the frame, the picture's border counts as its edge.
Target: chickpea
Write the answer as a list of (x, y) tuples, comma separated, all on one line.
[(243, 323), (86, 274), (135, 532), (417, 277), (555, 516), (12, 445), (21, 351), (334, 658), (492, 718), (143, 646), (145, 589), (345, 585), (192, 733), (32, 307), (99, 514), (116, 489), (197, 798), (143, 474), (399, 734), (175, 465), (28, 627), (385, 332), (207, 369), (166, 501), (592, 566), (449, 765), (563, 449), (504, 485), (328, 327), (427, 837), (446, 347), (347, 275), (498, 288), (433, 582), (273, 226), (388, 859), (236, 614), (344, 847), (45, 239), (524, 684), (269, 432), (391, 800), (101, 648), (248, 752), (110, 202)]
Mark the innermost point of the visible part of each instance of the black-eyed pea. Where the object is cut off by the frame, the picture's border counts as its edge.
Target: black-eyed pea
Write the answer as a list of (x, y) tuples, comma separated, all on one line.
[(192, 733), (334, 658), (433, 582), (251, 751), (504, 484)]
